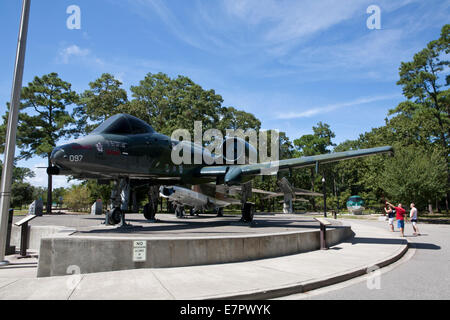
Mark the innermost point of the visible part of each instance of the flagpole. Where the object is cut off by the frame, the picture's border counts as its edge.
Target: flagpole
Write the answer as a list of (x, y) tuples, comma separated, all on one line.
[(10, 143)]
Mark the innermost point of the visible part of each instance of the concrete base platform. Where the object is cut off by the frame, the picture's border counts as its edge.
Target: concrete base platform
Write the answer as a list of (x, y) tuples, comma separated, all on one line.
[(371, 247), (181, 242)]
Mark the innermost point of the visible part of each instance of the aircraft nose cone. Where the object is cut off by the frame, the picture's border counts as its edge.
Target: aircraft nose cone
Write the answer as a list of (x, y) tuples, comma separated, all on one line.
[(166, 191), (58, 154)]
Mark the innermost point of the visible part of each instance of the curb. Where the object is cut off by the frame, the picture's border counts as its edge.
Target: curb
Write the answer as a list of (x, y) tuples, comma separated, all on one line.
[(303, 287)]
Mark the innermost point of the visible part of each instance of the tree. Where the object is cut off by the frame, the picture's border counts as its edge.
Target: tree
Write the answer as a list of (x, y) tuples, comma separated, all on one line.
[(169, 104), (231, 118), (98, 191), (314, 144), (414, 175), (423, 81), (21, 193), (58, 194), (77, 198), (44, 119), (19, 173), (104, 99)]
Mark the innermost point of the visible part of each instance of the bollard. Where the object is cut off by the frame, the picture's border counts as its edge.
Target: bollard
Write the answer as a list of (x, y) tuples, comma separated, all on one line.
[(323, 232), (323, 237), (10, 249), (23, 224), (24, 241)]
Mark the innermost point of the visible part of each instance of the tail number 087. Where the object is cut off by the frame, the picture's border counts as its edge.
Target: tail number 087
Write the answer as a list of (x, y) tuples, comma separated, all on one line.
[(76, 158)]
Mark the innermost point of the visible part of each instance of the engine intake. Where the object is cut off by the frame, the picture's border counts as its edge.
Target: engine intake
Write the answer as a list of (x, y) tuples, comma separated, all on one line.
[(236, 150)]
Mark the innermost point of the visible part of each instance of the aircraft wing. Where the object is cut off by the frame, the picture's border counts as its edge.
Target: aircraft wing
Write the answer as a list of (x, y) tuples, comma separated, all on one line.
[(238, 190), (308, 193), (234, 174)]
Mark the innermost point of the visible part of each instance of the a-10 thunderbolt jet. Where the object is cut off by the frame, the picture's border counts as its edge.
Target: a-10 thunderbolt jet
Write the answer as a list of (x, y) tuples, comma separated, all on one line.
[(127, 150)]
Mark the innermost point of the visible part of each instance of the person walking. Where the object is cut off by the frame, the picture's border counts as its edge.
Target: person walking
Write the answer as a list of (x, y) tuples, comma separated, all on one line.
[(413, 217), (391, 214), (400, 216)]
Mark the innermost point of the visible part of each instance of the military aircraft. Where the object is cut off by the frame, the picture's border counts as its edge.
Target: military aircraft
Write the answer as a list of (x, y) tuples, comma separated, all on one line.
[(127, 150), (198, 201)]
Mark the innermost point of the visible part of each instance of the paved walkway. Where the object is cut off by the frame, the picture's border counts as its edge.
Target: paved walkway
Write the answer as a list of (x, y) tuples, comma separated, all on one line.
[(424, 273), (259, 279)]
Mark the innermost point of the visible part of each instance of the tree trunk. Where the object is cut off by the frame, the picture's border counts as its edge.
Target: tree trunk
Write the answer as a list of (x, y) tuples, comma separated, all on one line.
[(446, 202), (430, 207), (49, 190)]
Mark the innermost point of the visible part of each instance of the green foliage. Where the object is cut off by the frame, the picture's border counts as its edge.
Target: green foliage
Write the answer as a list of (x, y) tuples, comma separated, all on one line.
[(317, 143), (19, 173), (98, 191), (104, 99), (169, 104), (21, 194), (77, 198), (419, 131), (21, 191), (231, 118), (58, 195), (44, 119), (40, 193), (414, 175)]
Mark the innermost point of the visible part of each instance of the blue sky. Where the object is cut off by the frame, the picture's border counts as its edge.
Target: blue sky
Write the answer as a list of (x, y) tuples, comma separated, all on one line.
[(291, 63)]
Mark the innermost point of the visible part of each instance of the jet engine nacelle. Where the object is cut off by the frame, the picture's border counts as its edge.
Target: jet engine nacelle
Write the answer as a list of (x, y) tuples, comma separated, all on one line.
[(236, 150)]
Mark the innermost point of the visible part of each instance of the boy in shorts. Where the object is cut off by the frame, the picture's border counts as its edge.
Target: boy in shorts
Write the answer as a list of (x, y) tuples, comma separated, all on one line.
[(391, 214), (413, 216)]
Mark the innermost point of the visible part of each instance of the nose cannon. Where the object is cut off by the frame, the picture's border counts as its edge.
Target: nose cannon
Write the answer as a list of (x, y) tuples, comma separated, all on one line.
[(56, 157)]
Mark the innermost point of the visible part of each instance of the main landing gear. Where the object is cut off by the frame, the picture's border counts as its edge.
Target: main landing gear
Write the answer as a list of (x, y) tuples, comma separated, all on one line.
[(151, 208), (248, 209), (120, 195), (179, 211)]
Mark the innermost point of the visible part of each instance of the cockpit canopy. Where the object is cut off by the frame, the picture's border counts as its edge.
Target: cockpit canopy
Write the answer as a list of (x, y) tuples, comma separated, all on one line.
[(123, 124)]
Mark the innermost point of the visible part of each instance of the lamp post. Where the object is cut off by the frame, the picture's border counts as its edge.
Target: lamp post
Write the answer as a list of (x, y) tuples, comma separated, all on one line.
[(11, 132), (324, 197), (336, 191)]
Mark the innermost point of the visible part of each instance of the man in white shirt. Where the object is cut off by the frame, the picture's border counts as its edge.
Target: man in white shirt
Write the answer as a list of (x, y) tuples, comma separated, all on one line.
[(413, 216)]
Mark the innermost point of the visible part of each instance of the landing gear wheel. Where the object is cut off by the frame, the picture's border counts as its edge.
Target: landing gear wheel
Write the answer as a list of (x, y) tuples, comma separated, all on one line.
[(247, 212), (114, 216), (192, 212), (149, 211), (179, 212)]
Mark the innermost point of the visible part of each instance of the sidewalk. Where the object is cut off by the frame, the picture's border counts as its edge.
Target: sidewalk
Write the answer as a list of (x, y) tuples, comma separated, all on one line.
[(259, 279)]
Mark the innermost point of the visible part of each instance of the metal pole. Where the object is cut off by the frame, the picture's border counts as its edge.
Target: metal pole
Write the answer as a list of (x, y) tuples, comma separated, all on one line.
[(10, 143), (324, 197)]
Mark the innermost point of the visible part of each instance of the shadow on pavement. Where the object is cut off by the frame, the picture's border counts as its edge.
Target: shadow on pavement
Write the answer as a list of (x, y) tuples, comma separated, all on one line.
[(426, 246), (357, 240), (416, 245)]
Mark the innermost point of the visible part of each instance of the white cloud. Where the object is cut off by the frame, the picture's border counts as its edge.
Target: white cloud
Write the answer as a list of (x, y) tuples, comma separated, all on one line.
[(292, 19), (332, 107), (67, 53)]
